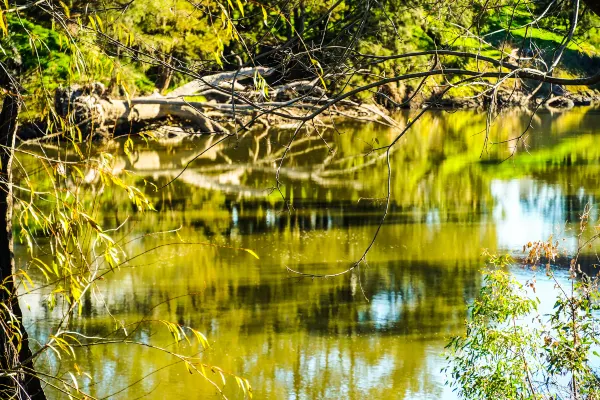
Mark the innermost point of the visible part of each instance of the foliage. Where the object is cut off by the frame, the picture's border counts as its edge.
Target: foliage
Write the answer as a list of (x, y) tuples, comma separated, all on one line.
[(181, 38), (56, 210), (69, 247), (40, 48), (177, 31), (512, 350)]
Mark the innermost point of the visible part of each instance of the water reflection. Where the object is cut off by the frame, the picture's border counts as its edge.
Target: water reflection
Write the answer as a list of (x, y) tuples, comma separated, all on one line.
[(305, 339), (526, 209)]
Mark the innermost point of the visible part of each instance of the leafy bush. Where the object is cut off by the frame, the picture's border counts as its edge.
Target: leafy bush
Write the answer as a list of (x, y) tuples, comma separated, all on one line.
[(513, 351)]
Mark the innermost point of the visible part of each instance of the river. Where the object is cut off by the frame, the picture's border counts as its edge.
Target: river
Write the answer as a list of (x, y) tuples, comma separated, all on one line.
[(377, 332)]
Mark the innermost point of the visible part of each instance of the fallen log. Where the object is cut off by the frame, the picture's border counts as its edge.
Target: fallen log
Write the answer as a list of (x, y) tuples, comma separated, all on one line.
[(223, 80), (93, 112), (299, 88)]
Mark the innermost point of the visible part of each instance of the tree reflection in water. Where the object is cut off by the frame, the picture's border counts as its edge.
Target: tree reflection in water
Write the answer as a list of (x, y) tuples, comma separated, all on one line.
[(300, 338)]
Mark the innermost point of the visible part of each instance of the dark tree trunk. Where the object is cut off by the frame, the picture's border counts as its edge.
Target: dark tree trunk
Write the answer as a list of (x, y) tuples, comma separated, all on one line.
[(288, 22), (14, 354), (300, 18), (165, 75)]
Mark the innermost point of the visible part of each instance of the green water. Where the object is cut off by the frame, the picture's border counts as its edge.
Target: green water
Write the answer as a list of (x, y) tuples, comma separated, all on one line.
[(377, 333)]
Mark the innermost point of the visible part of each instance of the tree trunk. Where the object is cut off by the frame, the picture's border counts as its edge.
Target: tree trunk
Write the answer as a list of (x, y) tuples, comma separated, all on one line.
[(287, 20), (165, 75), (12, 350), (223, 79), (300, 18)]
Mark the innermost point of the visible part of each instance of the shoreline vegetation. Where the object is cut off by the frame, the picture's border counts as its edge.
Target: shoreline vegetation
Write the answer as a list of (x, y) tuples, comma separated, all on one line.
[(216, 104), (209, 69), (224, 103)]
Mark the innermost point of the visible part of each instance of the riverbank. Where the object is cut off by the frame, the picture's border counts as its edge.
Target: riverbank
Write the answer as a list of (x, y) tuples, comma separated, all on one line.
[(542, 95), (209, 111)]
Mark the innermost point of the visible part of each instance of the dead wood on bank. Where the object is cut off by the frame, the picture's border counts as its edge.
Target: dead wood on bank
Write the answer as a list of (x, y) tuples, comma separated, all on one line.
[(223, 103), (236, 101)]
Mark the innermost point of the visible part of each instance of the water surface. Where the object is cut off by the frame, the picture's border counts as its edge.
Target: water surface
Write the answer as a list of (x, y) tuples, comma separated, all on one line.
[(377, 332)]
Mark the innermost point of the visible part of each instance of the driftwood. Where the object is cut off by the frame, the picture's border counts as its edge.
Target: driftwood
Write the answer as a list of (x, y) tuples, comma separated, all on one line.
[(225, 101), (223, 80)]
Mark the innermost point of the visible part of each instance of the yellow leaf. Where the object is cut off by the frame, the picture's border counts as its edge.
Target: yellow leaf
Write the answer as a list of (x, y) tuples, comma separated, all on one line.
[(251, 253), (265, 15), (3, 24), (56, 351), (241, 7), (100, 25), (218, 58), (74, 381), (127, 96), (65, 9)]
